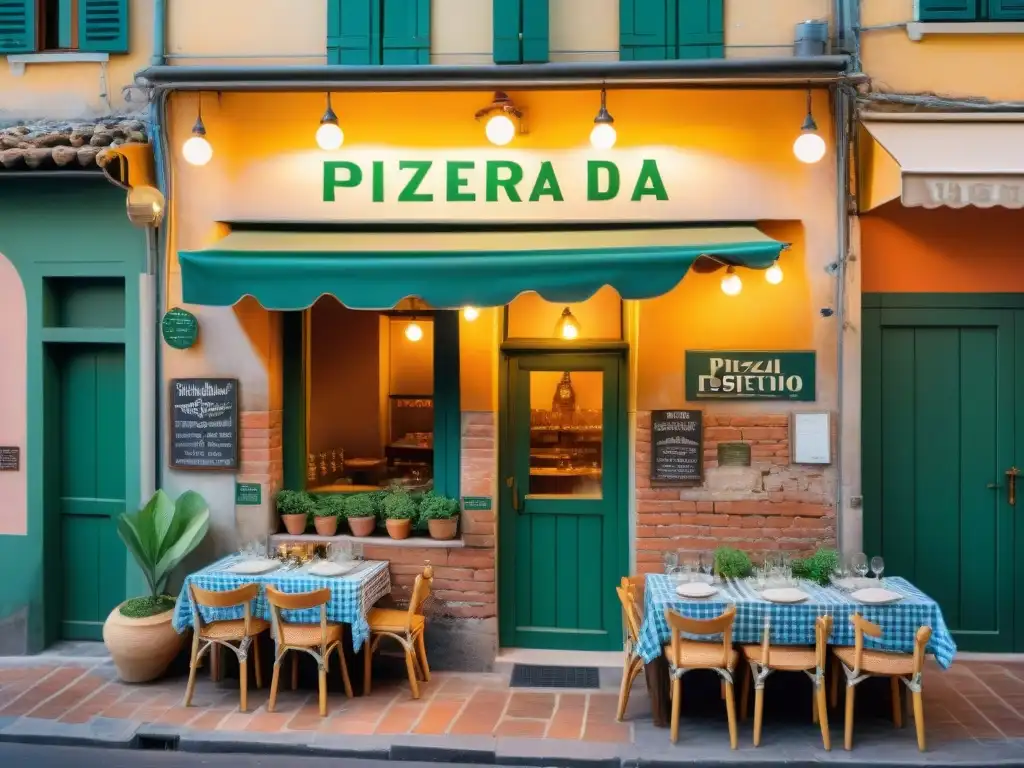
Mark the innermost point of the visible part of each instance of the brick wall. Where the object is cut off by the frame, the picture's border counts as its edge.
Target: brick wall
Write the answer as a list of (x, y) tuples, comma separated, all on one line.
[(769, 506), (260, 452)]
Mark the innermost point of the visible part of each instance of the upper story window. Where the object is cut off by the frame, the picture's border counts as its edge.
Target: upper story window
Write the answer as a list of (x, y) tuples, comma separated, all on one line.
[(362, 32), (652, 30), (93, 26), (970, 10), (521, 31)]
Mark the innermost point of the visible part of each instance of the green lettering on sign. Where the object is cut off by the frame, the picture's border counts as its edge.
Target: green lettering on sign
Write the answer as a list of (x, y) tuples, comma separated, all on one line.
[(456, 181), (248, 494), (476, 503), (332, 182), (649, 183), (180, 328), (410, 193), (508, 183), (546, 184), (610, 188), (750, 376)]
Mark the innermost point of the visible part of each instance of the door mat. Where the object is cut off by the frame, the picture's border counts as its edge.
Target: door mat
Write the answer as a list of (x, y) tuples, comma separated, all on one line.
[(542, 676)]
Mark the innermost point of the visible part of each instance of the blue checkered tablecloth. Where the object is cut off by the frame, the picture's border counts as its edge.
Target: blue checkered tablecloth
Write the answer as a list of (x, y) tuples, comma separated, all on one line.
[(352, 595), (793, 624)]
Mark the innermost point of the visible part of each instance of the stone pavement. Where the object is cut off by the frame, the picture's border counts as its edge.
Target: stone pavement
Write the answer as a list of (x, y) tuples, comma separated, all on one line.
[(974, 714)]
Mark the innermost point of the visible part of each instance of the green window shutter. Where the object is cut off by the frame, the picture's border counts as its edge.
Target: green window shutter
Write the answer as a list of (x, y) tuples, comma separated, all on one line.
[(103, 26), (353, 32), (1006, 10), (644, 28), (536, 25), (17, 26), (701, 29), (508, 16), (948, 10), (406, 35), (447, 404)]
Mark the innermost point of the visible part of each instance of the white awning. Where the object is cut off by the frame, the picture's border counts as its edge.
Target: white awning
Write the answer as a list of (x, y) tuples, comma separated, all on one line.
[(946, 160)]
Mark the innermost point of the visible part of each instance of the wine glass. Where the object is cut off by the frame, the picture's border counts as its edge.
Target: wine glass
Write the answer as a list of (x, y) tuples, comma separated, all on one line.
[(859, 564), (877, 566), (707, 565), (670, 560)]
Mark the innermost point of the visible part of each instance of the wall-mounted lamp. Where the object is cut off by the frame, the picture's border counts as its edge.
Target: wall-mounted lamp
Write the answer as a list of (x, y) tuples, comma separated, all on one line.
[(567, 327), (731, 283), (809, 147), (197, 150), (773, 274), (414, 331), (146, 206), (470, 313), (503, 118)]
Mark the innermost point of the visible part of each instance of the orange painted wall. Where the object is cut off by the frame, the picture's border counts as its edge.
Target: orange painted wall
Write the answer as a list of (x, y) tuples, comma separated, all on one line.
[(915, 250)]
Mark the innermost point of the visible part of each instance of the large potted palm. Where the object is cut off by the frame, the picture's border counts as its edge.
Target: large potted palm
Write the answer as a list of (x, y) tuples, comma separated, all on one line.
[(138, 633)]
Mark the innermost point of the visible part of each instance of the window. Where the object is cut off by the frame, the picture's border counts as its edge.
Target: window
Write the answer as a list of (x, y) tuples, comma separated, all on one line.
[(93, 26), (380, 400), (521, 31), (970, 10), (654, 30), (363, 32)]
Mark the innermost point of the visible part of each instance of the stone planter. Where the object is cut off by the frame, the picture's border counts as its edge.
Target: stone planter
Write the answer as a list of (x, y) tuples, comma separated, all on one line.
[(362, 526), (141, 648), (326, 526), (444, 530), (294, 524), (399, 529)]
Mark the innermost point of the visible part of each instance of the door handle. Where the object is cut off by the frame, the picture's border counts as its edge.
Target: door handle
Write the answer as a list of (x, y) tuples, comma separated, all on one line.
[(511, 483), (1011, 480)]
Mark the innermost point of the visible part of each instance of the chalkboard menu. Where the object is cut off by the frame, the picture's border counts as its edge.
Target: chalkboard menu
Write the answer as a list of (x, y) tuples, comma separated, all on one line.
[(204, 423), (10, 458), (677, 446)]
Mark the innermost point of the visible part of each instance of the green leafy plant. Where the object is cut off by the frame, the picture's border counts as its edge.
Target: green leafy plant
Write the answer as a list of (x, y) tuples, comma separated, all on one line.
[(160, 536), (294, 503), (732, 563), (330, 505), (360, 505), (399, 505), (818, 567), (378, 498), (434, 507)]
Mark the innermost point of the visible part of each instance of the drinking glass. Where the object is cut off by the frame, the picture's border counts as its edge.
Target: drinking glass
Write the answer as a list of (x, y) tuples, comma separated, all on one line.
[(859, 564), (671, 561), (707, 564), (877, 566)]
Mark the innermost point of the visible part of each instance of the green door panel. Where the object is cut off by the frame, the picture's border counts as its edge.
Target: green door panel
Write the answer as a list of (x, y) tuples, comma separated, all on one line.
[(562, 552), (938, 434), (90, 395)]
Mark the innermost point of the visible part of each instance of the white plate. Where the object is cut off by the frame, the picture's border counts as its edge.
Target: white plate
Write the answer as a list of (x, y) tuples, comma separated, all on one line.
[(331, 569), (785, 595), (852, 583), (876, 596), (252, 567), (696, 589)]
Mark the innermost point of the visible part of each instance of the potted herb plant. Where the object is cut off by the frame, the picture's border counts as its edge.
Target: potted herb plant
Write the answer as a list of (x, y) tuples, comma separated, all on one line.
[(138, 633), (295, 508), (361, 513), (442, 516), (732, 563), (399, 511), (325, 516), (818, 568)]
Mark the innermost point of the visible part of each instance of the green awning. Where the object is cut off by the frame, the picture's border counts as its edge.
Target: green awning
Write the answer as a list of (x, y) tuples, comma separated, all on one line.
[(376, 270)]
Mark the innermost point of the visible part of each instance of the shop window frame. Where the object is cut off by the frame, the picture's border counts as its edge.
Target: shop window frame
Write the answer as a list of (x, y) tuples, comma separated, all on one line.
[(521, 342), (968, 11)]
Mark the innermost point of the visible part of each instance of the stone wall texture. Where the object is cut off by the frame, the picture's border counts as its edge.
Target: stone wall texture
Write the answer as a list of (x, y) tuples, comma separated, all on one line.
[(768, 507)]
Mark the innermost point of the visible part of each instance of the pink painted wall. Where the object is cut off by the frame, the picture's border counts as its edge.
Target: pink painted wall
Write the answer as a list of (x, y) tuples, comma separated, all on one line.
[(13, 397)]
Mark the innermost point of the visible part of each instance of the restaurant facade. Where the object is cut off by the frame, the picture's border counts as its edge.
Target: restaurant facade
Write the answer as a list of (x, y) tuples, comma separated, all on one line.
[(604, 354)]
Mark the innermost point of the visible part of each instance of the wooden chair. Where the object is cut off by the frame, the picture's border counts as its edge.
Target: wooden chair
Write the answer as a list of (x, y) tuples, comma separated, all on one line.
[(627, 592), (764, 660), (318, 640), (686, 655), (236, 634), (859, 664), (408, 628)]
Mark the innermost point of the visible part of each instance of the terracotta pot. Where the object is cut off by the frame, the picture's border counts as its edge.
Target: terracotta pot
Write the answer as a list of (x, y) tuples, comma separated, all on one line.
[(399, 529), (294, 524), (326, 526), (443, 529), (362, 526), (141, 648)]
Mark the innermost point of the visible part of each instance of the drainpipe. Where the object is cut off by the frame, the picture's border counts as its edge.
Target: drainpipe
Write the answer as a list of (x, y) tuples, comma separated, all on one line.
[(159, 57), (157, 242)]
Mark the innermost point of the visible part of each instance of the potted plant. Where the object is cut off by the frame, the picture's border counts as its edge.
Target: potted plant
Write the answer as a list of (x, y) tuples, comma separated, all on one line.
[(295, 509), (732, 563), (138, 633), (325, 516), (361, 514), (442, 516), (399, 511)]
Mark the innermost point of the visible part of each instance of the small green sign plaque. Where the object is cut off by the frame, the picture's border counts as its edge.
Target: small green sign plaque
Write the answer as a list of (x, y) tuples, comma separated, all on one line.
[(248, 494), (729, 375), (180, 328), (476, 503)]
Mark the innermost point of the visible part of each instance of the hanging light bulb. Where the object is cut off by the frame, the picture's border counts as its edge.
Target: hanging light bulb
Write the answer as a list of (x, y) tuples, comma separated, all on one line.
[(567, 327), (809, 147), (602, 135), (500, 130), (470, 313), (500, 127), (731, 283), (197, 150), (329, 135), (773, 274), (413, 332)]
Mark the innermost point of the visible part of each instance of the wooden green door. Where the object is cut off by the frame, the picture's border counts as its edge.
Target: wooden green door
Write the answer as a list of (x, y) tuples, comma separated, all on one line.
[(87, 399), (938, 438), (562, 514)]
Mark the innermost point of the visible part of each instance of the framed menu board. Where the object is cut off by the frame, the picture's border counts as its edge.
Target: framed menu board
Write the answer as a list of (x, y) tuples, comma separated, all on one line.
[(677, 446), (204, 424)]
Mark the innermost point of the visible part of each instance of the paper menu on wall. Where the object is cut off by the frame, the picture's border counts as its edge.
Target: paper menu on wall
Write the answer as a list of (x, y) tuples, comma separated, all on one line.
[(812, 438)]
